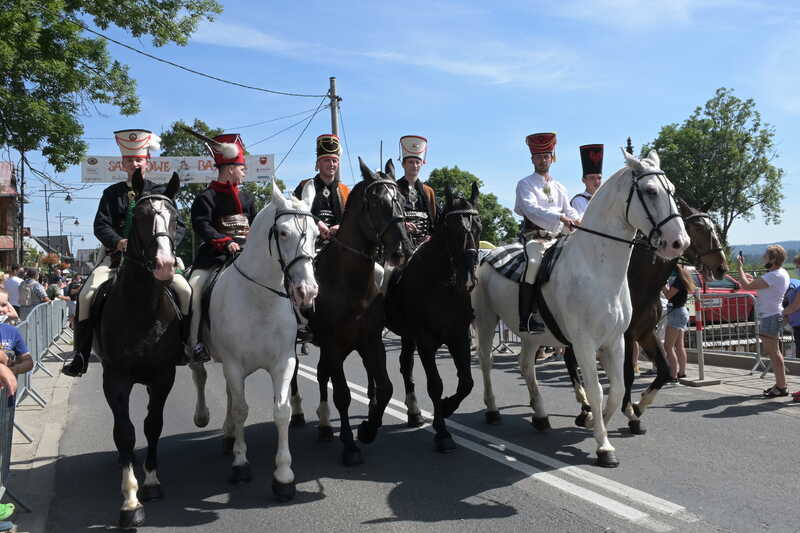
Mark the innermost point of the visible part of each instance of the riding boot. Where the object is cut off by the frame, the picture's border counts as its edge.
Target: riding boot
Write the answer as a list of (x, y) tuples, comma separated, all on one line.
[(82, 350), (528, 313), (196, 353)]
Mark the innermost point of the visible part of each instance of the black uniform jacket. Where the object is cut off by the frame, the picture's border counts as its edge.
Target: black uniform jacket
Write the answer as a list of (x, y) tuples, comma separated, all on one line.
[(109, 222), (425, 202), (217, 201), (329, 207)]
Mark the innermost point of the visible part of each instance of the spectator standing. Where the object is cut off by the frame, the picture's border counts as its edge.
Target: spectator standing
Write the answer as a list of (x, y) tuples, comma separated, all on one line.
[(771, 288), (12, 286), (14, 352), (31, 293), (677, 319)]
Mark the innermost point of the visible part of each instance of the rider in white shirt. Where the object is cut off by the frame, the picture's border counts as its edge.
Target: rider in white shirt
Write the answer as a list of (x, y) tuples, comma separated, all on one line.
[(543, 204), (592, 163)]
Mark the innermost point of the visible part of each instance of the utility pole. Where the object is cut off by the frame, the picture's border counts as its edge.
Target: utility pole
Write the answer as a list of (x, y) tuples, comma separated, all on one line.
[(334, 114), (21, 255)]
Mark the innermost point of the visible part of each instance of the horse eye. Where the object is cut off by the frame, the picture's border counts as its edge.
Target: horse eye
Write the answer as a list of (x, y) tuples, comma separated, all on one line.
[(283, 234)]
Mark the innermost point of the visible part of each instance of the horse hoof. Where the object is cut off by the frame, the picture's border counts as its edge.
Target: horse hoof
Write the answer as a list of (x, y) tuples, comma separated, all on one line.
[(541, 424), (241, 474), (444, 444), (636, 410), (283, 491), (367, 432), (201, 419), (580, 420), (131, 519), (607, 459), (325, 434), (150, 493), (298, 420), (493, 418), (415, 420), (352, 457), (636, 427), (227, 445)]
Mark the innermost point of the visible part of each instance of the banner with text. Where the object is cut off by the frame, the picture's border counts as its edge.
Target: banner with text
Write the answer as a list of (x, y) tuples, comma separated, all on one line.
[(101, 169)]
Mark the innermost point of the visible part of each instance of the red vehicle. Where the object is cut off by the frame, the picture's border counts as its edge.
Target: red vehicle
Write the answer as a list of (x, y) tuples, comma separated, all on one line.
[(718, 304)]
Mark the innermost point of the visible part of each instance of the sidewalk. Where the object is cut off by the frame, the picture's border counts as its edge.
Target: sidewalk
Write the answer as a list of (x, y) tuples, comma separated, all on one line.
[(33, 464)]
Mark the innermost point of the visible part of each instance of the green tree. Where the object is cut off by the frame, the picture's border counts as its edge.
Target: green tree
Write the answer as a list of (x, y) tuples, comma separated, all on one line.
[(720, 160), (177, 142), (52, 71), (498, 222)]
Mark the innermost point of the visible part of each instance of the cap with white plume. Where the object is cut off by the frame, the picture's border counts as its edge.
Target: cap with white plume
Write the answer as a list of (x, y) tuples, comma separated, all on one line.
[(227, 149), (137, 143)]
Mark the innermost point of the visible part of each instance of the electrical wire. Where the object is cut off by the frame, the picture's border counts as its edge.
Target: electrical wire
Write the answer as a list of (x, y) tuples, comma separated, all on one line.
[(286, 128), (319, 108), (187, 69), (306, 112), (347, 147)]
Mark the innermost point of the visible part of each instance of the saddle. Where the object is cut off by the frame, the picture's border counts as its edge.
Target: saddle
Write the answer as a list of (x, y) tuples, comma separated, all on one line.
[(549, 260), (208, 288)]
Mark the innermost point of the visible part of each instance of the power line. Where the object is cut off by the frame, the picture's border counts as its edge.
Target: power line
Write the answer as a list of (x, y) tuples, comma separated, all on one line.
[(319, 108), (306, 112), (187, 69), (347, 147), (286, 128)]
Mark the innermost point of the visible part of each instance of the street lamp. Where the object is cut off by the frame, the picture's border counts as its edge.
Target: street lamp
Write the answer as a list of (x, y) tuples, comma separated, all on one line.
[(47, 197)]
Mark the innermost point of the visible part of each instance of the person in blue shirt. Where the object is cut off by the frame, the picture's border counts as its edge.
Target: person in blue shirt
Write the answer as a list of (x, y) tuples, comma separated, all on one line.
[(14, 353)]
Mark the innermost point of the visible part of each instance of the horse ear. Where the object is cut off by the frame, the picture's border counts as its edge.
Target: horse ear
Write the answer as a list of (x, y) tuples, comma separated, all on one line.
[(137, 182), (389, 169), (277, 194), (653, 156), (448, 195), (630, 160), (474, 197), (366, 173), (173, 186)]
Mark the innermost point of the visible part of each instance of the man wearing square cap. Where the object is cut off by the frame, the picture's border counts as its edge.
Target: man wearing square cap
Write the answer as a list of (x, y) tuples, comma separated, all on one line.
[(221, 218), (111, 229), (592, 163), (324, 192), (544, 206), (420, 200)]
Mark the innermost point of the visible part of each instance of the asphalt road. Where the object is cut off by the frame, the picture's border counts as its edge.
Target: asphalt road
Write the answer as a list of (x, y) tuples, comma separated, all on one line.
[(709, 462)]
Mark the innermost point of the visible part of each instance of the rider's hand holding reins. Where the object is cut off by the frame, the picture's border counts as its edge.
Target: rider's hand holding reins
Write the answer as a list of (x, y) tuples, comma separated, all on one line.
[(233, 247), (324, 230), (122, 245), (334, 229), (571, 223)]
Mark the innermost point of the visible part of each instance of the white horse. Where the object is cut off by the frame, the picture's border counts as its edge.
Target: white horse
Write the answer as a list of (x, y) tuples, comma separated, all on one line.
[(253, 325), (588, 292)]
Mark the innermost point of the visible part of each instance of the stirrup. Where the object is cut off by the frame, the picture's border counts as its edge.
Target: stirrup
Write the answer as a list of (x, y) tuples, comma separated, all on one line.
[(532, 326), (75, 368)]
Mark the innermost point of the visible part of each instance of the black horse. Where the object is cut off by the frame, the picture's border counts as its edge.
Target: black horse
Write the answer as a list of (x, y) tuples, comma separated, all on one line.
[(139, 338), (647, 275), (349, 310), (429, 305)]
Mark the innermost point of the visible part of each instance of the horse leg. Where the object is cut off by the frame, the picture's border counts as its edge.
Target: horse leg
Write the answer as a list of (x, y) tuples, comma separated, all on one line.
[(283, 477), (325, 431), (634, 424), (238, 414), (153, 424), (613, 363), (655, 352), (298, 418), (527, 365), (485, 323), (459, 349), (584, 418), (228, 426), (408, 346), (375, 360), (586, 356), (442, 439), (351, 455), (117, 392), (199, 376)]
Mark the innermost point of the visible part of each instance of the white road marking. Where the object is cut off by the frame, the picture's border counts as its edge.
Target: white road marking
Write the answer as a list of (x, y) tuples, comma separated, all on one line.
[(495, 452)]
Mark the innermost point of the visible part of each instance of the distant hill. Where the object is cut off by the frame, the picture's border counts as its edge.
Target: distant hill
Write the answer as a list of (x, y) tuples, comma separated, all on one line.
[(753, 252)]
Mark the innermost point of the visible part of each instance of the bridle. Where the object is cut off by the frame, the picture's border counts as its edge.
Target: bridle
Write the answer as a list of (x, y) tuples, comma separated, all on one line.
[(146, 262), (472, 247), (398, 212), (655, 231), (711, 248), (300, 255)]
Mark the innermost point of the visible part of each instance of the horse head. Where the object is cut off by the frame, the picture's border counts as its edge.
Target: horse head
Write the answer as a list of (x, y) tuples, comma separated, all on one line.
[(292, 235), (381, 217), (705, 252), (151, 241), (460, 226), (650, 206)]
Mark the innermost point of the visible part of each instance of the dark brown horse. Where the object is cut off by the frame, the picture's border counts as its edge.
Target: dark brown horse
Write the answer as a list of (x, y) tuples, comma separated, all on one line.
[(139, 338), (647, 275), (349, 311), (430, 305)]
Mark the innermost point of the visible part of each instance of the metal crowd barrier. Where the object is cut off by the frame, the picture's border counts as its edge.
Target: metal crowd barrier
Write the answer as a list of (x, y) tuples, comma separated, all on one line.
[(6, 433)]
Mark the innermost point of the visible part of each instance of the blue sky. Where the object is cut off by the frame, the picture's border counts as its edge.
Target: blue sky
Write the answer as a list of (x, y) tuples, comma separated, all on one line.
[(473, 77)]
